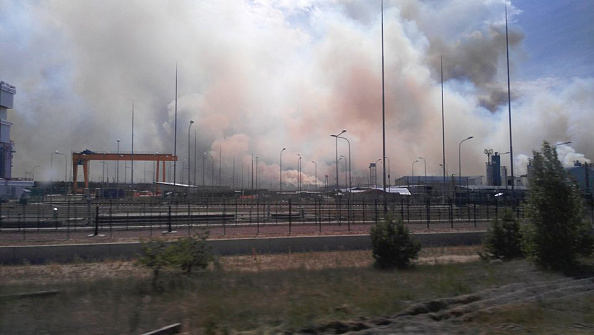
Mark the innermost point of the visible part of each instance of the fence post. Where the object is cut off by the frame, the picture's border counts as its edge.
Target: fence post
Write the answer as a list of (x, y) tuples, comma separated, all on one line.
[(451, 211), (375, 212), (349, 215), (257, 215), (169, 230), (428, 204), (363, 209), (189, 219), (96, 221), (225, 216), (290, 215), (408, 210), (319, 214), (474, 212)]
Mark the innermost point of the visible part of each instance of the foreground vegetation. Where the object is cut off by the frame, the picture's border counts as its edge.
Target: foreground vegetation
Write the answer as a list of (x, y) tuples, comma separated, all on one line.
[(266, 293)]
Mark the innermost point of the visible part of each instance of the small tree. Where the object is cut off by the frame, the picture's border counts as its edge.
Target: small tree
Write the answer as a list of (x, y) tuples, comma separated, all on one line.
[(504, 239), (184, 254), (189, 253), (555, 233), (392, 244), (153, 257)]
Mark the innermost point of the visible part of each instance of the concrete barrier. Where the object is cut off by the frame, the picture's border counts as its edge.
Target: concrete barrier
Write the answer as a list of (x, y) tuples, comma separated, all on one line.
[(63, 253)]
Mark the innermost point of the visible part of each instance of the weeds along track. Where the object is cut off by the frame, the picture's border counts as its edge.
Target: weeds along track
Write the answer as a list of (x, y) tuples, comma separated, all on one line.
[(455, 315)]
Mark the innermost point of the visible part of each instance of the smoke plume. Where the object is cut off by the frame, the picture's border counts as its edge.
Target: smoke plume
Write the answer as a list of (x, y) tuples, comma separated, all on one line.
[(257, 76)]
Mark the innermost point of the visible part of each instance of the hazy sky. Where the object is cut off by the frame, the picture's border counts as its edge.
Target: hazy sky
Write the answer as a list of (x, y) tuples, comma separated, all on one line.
[(257, 76)]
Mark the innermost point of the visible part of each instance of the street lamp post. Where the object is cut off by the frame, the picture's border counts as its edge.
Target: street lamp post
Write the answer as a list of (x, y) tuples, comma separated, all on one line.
[(118, 165), (281, 171), (336, 158), (501, 154), (256, 174), (386, 158), (459, 157), (189, 156), (203, 158), (349, 184), (195, 157), (346, 181), (212, 174), (65, 166), (412, 170)]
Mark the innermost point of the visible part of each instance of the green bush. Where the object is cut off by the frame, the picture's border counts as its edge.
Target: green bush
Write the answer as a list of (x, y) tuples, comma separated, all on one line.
[(555, 234), (504, 239), (189, 253), (392, 244), (184, 255)]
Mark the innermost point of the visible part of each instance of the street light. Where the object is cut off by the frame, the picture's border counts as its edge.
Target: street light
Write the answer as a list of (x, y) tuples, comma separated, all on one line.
[(413, 168), (212, 174), (349, 185), (336, 160), (346, 181), (459, 157), (189, 156), (281, 170), (203, 157), (425, 165), (195, 156), (256, 174), (388, 170), (65, 165)]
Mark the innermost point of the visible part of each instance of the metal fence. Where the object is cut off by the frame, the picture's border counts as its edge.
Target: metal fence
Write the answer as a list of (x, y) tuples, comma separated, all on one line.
[(74, 217)]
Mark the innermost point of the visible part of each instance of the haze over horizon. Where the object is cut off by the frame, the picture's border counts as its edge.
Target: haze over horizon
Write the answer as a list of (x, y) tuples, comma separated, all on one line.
[(257, 76)]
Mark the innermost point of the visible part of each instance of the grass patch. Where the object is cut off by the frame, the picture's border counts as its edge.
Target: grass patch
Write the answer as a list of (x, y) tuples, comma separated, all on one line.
[(257, 293)]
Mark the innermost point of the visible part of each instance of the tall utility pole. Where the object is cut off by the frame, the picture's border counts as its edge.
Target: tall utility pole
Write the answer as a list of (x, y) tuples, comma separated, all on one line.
[(189, 153), (511, 147), (281, 170), (384, 118), (118, 166), (175, 129), (195, 156), (336, 161), (442, 128), (132, 168)]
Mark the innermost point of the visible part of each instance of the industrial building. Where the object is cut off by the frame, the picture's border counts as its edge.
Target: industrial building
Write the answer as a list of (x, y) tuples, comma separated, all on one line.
[(9, 188)]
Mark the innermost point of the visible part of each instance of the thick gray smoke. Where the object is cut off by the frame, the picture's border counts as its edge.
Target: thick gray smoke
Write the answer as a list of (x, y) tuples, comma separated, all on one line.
[(257, 76)]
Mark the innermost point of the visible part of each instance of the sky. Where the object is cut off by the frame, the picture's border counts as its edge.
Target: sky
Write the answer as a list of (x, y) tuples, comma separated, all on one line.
[(259, 76)]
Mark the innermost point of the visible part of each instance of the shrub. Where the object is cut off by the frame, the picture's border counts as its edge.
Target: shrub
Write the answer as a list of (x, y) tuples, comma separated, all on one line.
[(555, 234), (392, 244), (504, 239), (184, 255), (189, 253)]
